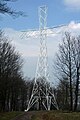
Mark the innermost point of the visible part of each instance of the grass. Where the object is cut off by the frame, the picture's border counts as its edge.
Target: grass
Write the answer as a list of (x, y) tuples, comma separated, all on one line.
[(43, 115), (54, 115), (9, 115)]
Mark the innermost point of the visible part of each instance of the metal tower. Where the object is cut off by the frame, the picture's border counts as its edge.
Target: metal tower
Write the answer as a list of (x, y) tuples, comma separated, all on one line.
[(42, 97)]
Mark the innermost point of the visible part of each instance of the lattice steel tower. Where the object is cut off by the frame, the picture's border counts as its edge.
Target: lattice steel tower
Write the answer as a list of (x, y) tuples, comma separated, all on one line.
[(42, 97)]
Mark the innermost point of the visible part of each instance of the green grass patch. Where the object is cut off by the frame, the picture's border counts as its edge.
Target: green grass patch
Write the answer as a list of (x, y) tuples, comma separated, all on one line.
[(54, 115), (9, 115)]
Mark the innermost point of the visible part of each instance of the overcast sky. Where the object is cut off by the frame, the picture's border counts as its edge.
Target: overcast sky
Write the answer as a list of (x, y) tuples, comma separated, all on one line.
[(59, 12)]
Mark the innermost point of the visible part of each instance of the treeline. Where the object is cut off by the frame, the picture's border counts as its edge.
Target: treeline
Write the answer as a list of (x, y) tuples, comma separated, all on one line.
[(67, 67), (14, 89)]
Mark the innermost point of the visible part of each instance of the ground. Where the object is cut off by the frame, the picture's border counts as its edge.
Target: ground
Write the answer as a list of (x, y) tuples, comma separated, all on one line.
[(9, 115), (40, 115)]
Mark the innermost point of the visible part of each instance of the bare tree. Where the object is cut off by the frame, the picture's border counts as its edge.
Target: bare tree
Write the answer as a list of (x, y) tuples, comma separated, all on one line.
[(76, 57), (64, 64), (5, 9), (62, 94), (12, 84)]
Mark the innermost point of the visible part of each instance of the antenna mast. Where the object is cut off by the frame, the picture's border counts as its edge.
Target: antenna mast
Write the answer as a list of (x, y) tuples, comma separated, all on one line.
[(42, 97)]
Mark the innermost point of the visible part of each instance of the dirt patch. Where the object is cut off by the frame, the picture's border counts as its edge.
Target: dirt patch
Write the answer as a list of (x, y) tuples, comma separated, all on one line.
[(25, 116)]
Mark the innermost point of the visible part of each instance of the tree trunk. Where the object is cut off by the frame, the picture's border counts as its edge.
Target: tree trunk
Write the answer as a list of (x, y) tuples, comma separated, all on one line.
[(71, 91), (76, 90)]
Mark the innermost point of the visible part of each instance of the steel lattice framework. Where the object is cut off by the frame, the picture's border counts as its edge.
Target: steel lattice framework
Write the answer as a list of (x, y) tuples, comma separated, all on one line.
[(42, 96)]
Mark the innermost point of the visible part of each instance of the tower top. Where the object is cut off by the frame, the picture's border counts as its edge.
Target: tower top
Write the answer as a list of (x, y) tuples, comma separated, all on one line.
[(42, 17)]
